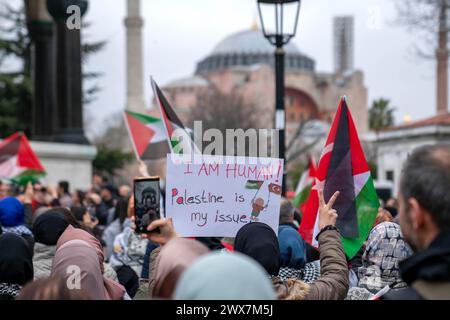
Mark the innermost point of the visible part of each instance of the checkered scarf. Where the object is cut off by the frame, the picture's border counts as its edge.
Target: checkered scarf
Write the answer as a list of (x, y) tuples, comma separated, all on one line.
[(19, 230), (309, 274), (385, 248), (9, 291)]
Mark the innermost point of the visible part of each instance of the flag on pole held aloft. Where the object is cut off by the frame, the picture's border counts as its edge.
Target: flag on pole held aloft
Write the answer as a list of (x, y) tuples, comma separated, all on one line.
[(179, 139), (18, 162), (343, 167), (147, 135), (304, 185)]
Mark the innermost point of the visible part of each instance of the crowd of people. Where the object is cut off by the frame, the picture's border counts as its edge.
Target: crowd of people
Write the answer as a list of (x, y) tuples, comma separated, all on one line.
[(56, 243)]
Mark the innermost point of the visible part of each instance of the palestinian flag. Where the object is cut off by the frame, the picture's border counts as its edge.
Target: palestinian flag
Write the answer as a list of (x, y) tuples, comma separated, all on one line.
[(254, 184), (147, 135), (18, 162), (343, 167), (173, 125), (304, 186)]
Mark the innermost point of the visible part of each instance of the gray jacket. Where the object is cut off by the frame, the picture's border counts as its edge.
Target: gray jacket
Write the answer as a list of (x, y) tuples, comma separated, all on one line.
[(42, 260)]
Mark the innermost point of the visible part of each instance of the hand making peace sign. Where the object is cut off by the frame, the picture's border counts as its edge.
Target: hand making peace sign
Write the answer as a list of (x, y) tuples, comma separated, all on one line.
[(327, 215)]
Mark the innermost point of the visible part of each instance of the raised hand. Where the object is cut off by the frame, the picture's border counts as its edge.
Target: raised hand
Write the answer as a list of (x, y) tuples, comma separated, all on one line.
[(29, 193), (327, 215)]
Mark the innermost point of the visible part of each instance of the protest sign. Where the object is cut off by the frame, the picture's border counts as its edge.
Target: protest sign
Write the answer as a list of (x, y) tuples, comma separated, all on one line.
[(216, 196)]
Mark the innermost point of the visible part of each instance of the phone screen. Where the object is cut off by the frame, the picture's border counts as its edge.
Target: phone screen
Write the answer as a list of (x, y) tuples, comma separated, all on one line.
[(146, 202)]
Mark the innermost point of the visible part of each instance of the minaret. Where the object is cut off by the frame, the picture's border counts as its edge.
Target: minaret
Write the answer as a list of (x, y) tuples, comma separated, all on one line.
[(133, 24), (442, 54)]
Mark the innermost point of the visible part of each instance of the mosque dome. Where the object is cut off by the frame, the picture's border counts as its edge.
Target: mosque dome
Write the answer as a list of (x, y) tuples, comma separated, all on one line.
[(248, 48)]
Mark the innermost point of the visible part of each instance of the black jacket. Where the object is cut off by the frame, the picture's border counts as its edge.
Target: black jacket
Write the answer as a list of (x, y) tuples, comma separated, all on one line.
[(426, 271)]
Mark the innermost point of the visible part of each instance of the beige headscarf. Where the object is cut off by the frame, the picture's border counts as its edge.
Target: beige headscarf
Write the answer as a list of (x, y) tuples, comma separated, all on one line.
[(175, 257), (78, 248)]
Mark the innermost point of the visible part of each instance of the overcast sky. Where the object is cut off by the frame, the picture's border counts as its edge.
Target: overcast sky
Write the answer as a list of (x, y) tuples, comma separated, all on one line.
[(178, 33)]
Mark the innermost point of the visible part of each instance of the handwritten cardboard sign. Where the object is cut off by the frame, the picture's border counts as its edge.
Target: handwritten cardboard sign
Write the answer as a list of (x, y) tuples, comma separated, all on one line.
[(216, 197)]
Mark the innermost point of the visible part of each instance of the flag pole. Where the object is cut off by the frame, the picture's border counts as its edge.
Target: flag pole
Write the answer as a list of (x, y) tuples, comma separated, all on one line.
[(131, 137), (163, 118)]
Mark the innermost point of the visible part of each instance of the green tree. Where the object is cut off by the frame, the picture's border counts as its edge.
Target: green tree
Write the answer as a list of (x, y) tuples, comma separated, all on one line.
[(16, 88), (381, 115), (15, 85), (110, 160)]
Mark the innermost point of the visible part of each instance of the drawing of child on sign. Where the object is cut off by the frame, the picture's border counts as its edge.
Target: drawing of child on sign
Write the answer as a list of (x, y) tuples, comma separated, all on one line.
[(258, 203), (257, 207)]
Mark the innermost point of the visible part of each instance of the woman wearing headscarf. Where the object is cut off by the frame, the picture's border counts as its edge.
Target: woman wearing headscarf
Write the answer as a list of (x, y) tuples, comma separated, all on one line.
[(224, 276), (12, 219), (293, 257), (47, 229), (53, 288), (16, 267), (260, 242), (77, 250), (384, 250), (175, 257)]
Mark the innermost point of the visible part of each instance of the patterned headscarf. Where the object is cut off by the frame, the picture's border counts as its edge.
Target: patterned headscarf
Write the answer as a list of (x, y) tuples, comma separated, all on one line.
[(385, 248), (308, 274)]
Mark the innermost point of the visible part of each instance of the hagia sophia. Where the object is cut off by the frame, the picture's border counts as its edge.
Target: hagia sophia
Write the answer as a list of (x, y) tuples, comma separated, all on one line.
[(243, 63)]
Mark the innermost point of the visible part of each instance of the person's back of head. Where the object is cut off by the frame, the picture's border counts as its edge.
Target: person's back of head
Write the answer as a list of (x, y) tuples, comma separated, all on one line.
[(11, 212), (258, 241), (286, 212), (424, 197), (78, 212), (292, 248), (121, 209), (64, 187), (16, 266), (53, 288), (225, 276), (49, 226)]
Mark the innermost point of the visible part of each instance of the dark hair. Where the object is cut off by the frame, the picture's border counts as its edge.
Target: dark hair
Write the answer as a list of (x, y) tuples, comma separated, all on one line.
[(81, 195), (78, 212), (121, 210), (53, 288), (426, 178), (99, 174), (68, 215), (286, 211), (64, 185)]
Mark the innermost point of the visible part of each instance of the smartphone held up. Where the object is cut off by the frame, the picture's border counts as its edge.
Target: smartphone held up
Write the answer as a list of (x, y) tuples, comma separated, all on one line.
[(146, 202)]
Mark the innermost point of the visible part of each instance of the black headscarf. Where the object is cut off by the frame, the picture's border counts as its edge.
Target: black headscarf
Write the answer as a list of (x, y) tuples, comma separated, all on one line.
[(16, 266), (49, 226), (259, 241)]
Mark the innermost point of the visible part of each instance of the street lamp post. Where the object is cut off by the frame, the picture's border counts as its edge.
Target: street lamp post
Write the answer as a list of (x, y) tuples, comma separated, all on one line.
[(278, 30)]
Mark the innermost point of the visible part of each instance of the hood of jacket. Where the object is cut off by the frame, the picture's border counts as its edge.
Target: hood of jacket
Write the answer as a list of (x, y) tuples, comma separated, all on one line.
[(42, 260), (431, 264)]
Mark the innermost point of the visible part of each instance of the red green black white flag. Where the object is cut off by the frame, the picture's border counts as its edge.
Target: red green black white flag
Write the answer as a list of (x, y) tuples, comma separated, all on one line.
[(147, 135), (18, 162), (304, 186), (179, 139), (343, 167)]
